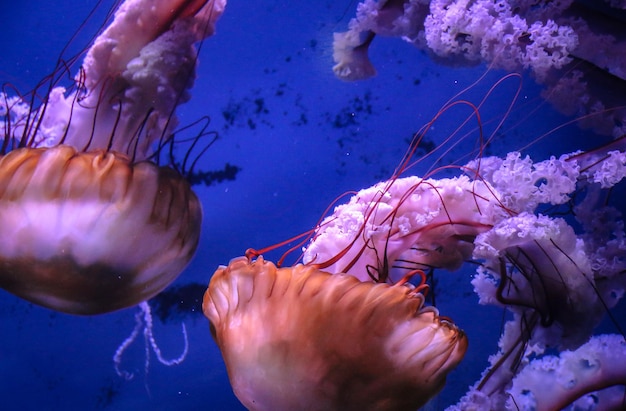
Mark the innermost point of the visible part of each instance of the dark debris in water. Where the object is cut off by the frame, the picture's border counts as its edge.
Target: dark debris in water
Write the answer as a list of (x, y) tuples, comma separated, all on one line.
[(178, 302), (357, 108), (248, 112), (208, 178), (108, 393)]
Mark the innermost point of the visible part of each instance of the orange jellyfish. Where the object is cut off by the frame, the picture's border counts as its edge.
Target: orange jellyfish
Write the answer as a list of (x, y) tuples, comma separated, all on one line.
[(89, 224), (91, 232), (299, 338)]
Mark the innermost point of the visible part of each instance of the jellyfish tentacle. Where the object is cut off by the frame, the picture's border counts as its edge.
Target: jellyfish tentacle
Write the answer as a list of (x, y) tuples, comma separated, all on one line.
[(402, 215), (144, 325)]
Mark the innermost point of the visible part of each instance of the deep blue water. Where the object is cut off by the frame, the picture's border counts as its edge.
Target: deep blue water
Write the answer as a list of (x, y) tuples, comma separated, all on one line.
[(301, 137)]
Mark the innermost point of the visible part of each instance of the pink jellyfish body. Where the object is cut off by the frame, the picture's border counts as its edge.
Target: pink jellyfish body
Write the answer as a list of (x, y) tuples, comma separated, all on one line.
[(89, 224), (573, 48)]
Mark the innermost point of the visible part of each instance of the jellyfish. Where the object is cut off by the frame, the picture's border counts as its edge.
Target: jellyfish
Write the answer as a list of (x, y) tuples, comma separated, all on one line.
[(570, 47), (298, 338), (336, 332), (74, 224), (90, 222)]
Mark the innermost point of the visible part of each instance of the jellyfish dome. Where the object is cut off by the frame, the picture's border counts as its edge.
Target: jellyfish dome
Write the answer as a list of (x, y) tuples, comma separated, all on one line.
[(87, 233), (299, 338)]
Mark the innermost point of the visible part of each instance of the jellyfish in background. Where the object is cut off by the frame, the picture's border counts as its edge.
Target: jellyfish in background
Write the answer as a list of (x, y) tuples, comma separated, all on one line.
[(576, 49), (89, 224)]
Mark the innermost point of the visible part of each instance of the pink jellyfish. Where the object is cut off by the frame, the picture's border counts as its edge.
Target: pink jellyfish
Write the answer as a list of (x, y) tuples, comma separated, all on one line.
[(88, 224)]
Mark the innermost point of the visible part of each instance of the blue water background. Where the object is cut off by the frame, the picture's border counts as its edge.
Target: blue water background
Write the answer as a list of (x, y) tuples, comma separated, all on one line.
[(301, 137)]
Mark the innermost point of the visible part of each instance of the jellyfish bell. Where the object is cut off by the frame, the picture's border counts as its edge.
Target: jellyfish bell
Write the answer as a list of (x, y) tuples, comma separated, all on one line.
[(92, 232), (299, 338)]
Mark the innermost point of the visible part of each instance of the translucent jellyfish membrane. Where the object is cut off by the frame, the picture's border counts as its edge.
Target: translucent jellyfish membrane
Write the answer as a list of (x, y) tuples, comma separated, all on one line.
[(299, 338), (91, 232), (89, 224)]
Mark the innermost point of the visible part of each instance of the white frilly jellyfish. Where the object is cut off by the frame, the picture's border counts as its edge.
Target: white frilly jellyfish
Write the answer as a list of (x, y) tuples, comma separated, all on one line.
[(88, 223), (575, 49), (135, 74)]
